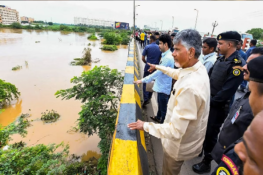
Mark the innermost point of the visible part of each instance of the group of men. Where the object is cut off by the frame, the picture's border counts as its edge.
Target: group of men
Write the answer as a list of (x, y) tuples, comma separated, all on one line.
[(191, 111)]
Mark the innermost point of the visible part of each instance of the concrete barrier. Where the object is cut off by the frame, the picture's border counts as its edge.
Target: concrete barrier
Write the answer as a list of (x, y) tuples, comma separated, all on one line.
[(128, 154)]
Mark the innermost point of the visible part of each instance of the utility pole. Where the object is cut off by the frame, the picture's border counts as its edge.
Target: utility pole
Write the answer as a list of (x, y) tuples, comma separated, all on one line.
[(161, 25), (196, 17), (134, 19), (214, 25)]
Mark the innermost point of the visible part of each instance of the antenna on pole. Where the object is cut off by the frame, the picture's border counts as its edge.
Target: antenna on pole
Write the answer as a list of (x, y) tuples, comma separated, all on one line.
[(214, 25)]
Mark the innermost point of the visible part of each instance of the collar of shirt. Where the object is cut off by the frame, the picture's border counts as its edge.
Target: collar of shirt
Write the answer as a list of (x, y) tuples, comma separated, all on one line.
[(209, 55), (189, 70), (231, 57), (163, 54)]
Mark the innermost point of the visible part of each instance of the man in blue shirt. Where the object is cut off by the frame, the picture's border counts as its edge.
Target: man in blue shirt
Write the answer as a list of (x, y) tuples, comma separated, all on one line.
[(244, 56), (153, 54), (241, 53), (209, 55), (163, 82), (252, 45)]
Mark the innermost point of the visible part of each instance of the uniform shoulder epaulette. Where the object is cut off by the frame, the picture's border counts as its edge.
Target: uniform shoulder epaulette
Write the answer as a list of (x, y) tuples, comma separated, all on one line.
[(237, 61)]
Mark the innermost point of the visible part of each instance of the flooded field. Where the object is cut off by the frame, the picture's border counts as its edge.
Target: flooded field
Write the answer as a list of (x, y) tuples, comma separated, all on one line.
[(48, 70)]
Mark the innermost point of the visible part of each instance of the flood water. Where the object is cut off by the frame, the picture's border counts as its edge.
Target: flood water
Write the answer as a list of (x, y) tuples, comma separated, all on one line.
[(48, 70)]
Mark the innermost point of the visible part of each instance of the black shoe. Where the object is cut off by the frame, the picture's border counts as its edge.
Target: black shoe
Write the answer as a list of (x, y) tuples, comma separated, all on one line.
[(202, 167)]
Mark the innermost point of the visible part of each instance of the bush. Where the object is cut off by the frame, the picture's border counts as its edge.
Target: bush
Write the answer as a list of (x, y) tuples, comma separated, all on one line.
[(85, 60), (38, 27), (50, 116), (8, 92), (109, 47), (92, 37), (100, 90), (17, 67), (13, 128), (16, 25), (112, 38), (28, 27), (125, 41), (91, 30), (50, 23)]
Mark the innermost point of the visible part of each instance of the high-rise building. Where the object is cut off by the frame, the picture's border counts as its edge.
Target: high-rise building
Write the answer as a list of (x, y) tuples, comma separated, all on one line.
[(8, 15), (93, 22)]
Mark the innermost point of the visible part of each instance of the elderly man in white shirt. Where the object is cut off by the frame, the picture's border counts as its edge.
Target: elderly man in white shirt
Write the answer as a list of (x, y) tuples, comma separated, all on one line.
[(183, 131), (209, 55)]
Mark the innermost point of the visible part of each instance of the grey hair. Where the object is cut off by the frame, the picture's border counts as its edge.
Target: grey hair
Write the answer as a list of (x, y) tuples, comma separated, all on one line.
[(189, 38)]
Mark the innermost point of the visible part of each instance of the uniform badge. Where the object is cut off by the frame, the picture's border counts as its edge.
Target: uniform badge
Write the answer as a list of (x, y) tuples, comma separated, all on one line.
[(236, 115), (220, 37), (236, 72), (230, 164), (222, 171)]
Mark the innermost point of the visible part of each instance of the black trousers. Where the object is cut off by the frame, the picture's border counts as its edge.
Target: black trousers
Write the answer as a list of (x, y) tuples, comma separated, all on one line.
[(217, 116)]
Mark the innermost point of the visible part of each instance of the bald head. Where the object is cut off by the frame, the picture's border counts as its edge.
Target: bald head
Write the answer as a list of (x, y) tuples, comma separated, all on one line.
[(250, 150)]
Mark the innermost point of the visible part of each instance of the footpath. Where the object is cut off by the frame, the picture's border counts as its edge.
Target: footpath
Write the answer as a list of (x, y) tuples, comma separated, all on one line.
[(150, 110)]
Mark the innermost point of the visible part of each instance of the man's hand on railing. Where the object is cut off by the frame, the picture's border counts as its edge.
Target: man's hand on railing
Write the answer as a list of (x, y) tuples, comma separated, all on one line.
[(137, 82), (136, 125), (152, 67)]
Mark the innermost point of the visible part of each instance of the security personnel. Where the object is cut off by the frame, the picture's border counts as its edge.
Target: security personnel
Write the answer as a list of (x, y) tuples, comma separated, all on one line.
[(239, 118), (225, 77), (230, 163)]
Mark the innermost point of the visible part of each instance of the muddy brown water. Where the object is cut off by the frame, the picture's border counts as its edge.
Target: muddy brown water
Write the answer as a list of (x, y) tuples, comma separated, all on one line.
[(48, 70)]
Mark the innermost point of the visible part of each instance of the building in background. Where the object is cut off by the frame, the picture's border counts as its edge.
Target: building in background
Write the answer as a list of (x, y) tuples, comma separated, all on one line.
[(8, 15), (93, 22), (26, 19)]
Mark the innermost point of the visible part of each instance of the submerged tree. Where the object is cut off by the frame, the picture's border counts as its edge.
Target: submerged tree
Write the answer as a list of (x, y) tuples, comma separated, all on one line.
[(85, 60), (100, 90)]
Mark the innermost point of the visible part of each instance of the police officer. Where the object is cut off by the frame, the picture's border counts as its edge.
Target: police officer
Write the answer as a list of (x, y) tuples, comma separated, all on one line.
[(239, 118), (225, 77), (231, 163)]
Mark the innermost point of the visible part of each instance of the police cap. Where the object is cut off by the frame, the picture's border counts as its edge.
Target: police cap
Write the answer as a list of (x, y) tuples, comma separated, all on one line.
[(230, 35), (255, 68)]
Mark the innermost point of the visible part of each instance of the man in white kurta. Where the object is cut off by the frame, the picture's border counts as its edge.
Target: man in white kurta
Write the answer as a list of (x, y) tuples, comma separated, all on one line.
[(183, 131)]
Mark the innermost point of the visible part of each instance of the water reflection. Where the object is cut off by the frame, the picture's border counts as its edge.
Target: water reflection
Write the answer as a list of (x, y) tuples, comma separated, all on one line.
[(10, 113), (90, 154), (86, 68)]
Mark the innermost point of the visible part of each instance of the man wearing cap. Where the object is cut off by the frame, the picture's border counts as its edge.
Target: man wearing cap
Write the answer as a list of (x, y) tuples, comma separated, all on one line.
[(225, 77), (231, 161)]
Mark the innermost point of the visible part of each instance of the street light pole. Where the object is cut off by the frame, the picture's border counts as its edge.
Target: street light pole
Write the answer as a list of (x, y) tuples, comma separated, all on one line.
[(196, 17), (134, 19), (173, 22), (161, 25)]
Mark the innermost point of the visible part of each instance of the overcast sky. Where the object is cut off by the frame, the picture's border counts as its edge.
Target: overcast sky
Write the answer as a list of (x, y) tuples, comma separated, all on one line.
[(230, 15)]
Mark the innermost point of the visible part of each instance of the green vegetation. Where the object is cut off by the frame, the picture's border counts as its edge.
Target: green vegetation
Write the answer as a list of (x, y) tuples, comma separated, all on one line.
[(17, 67), (85, 60), (92, 37), (50, 116), (117, 37), (109, 47), (100, 90), (16, 25), (257, 33), (8, 92), (15, 127)]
